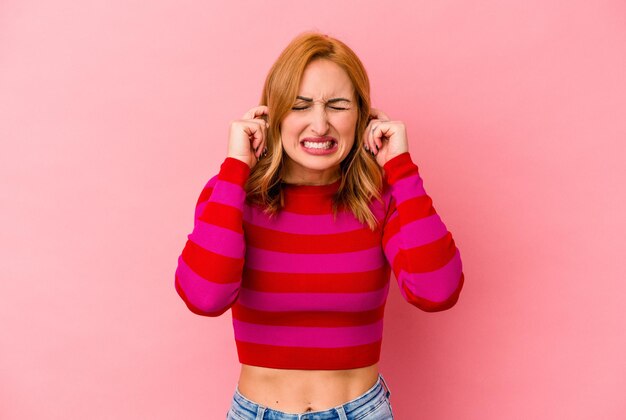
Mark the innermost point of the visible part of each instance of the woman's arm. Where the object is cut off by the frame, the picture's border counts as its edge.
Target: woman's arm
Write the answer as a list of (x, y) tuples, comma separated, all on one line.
[(421, 251), (208, 275)]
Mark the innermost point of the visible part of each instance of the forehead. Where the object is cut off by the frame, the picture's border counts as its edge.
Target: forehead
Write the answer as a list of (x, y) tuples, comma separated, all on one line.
[(323, 79)]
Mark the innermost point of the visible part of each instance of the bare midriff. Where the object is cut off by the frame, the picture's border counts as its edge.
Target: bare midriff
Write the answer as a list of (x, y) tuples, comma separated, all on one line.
[(299, 391)]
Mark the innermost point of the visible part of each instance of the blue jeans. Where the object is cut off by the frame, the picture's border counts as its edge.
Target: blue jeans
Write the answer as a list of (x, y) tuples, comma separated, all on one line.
[(374, 404)]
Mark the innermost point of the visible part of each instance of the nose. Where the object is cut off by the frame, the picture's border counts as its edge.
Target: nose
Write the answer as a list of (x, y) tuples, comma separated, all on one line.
[(319, 123)]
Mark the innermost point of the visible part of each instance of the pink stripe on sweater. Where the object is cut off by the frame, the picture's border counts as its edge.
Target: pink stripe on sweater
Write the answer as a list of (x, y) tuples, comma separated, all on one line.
[(423, 231), (436, 286), (202, 293), (225, 192), (308, 336), (345, 262), (219, 240), (266, 301), (417, 233), (406, 188), (303, 223)]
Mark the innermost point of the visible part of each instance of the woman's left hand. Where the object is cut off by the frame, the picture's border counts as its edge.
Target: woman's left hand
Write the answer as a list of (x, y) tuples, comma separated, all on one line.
[(383, 138)]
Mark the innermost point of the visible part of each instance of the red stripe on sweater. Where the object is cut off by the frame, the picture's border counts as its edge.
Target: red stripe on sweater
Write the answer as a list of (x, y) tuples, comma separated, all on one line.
[(204, 195), (366, 281), (308, 358), (416, 208), (411, 210), (222, 215), (235, 171), (307, 318), (211, 266), (392, 228), (399, 167), (274, 240), (426, 258), (302, 205)]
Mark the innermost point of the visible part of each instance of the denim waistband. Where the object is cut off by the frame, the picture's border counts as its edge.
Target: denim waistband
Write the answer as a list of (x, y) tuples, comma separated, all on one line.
[(377, 390)]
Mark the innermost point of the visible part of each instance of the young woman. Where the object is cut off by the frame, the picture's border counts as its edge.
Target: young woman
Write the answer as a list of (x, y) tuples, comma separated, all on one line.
[(316, 203)]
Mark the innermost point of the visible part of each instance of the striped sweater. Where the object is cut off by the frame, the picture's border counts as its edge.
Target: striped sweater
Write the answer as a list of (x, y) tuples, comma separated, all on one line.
[(307, 291)]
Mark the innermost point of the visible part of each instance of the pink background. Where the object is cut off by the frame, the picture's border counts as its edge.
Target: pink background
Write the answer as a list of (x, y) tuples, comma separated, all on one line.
[(113, 115)]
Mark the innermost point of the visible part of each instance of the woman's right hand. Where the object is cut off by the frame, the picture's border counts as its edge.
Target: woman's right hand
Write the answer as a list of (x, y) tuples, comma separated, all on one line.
[(247, 136)]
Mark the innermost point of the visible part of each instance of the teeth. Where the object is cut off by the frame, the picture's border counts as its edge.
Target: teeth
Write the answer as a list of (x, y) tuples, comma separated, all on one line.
[(317, 145)]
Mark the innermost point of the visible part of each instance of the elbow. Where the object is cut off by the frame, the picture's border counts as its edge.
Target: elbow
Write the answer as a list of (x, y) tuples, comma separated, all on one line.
[(200, 306), (205, 297), (431, 305)]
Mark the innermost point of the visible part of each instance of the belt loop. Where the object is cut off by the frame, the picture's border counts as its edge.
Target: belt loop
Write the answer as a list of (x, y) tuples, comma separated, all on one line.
[(341, 412), (388, 392)]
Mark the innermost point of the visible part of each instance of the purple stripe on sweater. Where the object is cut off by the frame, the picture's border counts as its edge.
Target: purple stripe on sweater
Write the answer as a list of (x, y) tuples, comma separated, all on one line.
[(308, 336), (204, 294), (349, 302), (437, 285), (212, 181), (219, 240), (417, 233), (345, 262), (225, 192), (409, 187), (200, 206), (423, 231)]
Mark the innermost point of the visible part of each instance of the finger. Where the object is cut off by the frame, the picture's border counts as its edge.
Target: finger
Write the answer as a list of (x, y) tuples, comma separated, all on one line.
[(256, 143), (365, 135), (260, 149), (378, 114), (262, 141), (262, 123), (257, 111), (373, 138), (368, 137), (378, 117), (383, 116), (377, 144), (374, 142), (379, 132), (254, 136)]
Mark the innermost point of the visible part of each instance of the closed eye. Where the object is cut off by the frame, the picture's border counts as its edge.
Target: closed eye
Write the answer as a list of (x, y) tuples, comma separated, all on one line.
[(337, 108)]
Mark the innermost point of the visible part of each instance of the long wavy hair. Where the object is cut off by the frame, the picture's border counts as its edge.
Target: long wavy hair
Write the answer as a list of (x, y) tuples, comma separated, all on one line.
[(361, 178)]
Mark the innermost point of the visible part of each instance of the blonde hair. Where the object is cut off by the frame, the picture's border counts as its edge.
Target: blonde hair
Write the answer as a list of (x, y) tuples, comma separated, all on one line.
[(361, 176)]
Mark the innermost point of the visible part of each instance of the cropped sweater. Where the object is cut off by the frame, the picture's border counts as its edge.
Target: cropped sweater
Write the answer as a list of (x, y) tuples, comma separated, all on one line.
[(307, 291)]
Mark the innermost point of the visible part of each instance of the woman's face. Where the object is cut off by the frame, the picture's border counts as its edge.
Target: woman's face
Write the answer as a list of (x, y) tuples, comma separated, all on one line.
[(319, 131)]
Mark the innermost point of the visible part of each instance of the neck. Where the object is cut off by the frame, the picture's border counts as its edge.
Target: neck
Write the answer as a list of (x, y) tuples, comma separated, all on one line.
[(310, 177)]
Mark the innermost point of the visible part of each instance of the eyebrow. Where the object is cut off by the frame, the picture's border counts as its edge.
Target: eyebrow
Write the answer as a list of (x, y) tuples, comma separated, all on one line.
[(329, 101)]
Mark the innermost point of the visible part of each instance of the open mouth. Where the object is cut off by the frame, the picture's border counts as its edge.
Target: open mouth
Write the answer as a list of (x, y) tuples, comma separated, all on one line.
[(319, 145), (322, 145)]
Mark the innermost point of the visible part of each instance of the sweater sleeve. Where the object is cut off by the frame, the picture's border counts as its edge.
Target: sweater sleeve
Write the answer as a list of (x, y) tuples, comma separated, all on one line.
[(208, 275), (417, 244)]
